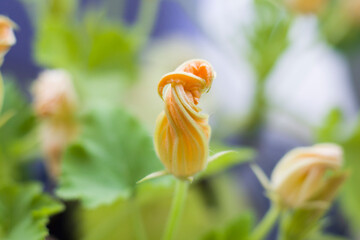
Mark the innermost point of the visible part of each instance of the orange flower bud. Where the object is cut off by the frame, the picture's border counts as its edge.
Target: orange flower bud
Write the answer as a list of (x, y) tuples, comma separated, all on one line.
[(301, 173), (182, 132), (306, 6), (7, 37)]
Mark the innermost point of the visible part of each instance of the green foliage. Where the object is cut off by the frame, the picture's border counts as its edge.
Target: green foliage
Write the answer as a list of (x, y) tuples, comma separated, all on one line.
[(16, 132), (24, 212), (111, 154), (326, 237), (202, 212), (338, 28), (333, 130), (351, 194), (227, 159), (86, 41), (268, 37), (238, 229)]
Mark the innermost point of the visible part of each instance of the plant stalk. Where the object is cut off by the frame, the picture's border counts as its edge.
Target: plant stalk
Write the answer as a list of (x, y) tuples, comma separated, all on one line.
[(181, 190), (266, 224)]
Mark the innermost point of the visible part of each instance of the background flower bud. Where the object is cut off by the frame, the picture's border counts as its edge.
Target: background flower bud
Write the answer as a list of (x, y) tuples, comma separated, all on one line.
[(54, 94), (55, 105), (305, 6), (182, 132), (7, 37), (352, 10), (301, 173), (54, 138)]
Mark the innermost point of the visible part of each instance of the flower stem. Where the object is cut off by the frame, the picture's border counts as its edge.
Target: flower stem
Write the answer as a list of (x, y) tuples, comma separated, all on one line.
[(1, 91), (176, 209), (266, 224)]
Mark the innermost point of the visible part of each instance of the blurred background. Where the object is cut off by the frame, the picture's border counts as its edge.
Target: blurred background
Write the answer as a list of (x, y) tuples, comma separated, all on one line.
[(287, 75)]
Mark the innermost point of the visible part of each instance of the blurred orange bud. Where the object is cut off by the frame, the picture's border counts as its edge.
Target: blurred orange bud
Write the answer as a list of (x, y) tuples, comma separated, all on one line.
[(54, 94), (182, 132), (55, 104), (302, 173), (7, 37), (306, 6), (352, 10)]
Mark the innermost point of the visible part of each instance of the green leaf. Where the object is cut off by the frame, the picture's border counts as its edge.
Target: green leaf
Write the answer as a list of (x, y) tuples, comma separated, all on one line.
[(16, 133), (88, 42), (240, 228), (227, 159), (326, 237), (331, 127), (351, 191), (267, 36), (333, 130), (24, 212), (112, 153), (201, 213)]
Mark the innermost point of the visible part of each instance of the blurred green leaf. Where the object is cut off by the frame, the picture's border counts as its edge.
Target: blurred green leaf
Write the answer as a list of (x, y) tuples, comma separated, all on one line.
[(339, 28), (24, 212), (326, 237), (88, 40), (112, 153), (267, 37), (331, 128), (237, 229), (202, 212), (332, 131), (22, 122), (16, 133), (112, 47), (227, 159), (351, 191)]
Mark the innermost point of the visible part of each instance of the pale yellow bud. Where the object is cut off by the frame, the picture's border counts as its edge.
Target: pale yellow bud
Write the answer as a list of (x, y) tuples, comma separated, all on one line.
[(55, 104), (182, 132), (306, 6), (301, 173), (7, 36), (54, 94)]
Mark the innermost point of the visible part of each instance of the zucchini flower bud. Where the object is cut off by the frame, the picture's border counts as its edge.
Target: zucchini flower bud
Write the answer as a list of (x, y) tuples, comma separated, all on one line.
[(303, 172), (54, 95), (182, 131), (7, 37), (352, 10), (55, 105), (306, 6)]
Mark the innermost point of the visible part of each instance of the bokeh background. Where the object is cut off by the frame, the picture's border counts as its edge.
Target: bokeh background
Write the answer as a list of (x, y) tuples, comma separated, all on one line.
[(284, 79)]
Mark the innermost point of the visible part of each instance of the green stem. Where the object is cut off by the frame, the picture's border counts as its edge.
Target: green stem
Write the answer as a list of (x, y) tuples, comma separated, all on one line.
[(281, 231), (139, 228), (257, 114), (266, 224), (176, 209), (146, 20), (1, 92)]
